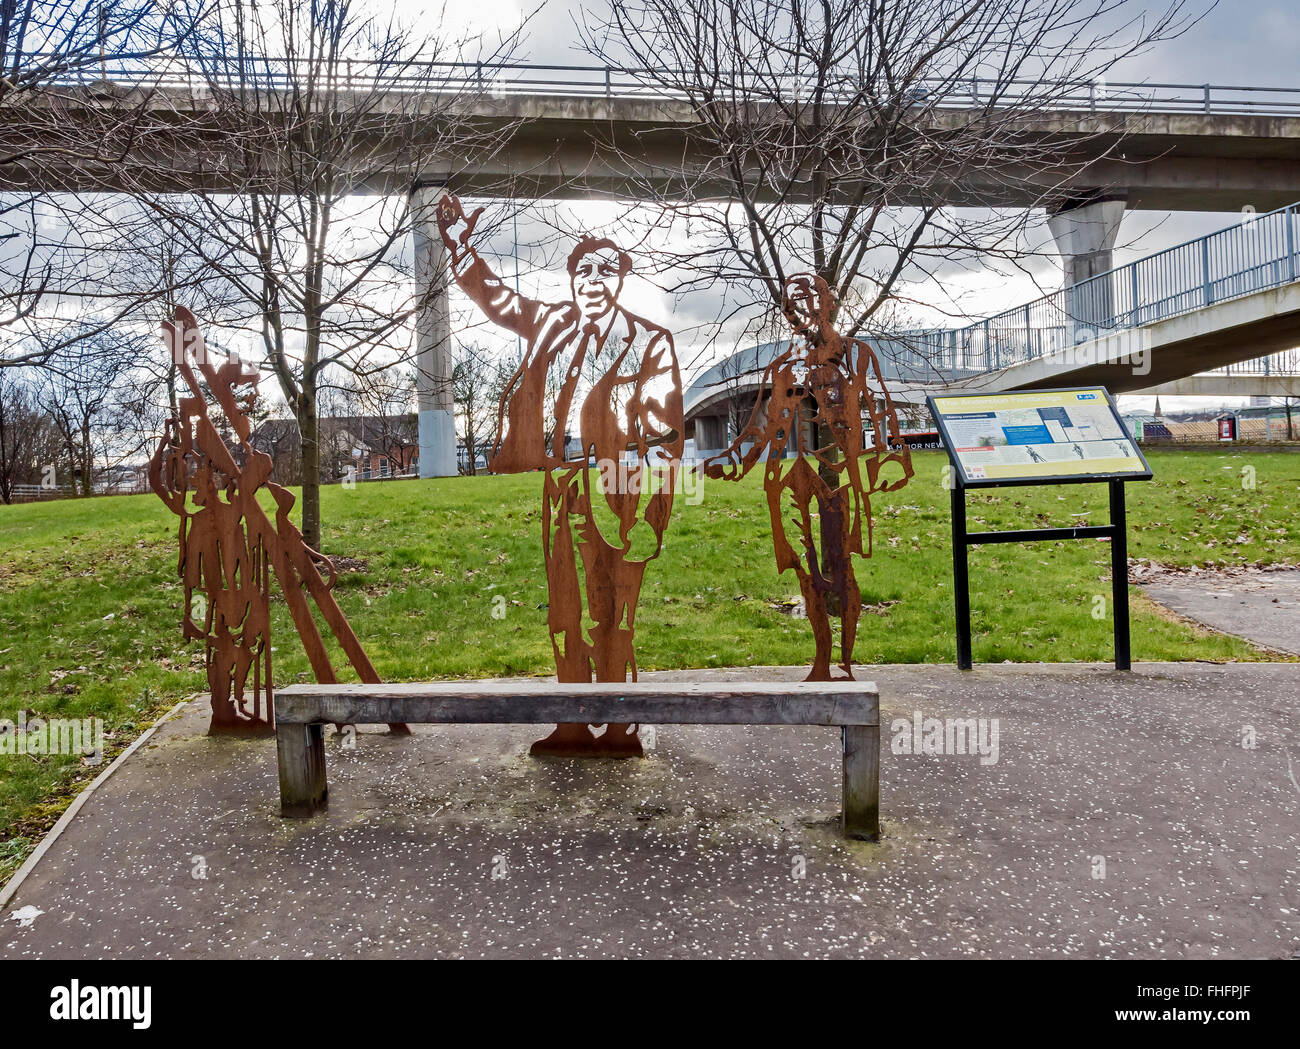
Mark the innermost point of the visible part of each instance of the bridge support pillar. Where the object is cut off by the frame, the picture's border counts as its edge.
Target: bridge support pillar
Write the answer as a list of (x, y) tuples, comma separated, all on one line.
[(1085, 230), (711, 434), (437, 421)]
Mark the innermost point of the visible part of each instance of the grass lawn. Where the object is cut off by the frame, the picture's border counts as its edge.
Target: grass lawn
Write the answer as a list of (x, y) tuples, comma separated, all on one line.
[(89, 599)]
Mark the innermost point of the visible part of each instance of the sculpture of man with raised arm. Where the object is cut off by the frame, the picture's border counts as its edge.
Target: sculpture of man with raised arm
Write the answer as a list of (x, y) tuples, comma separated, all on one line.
[(597, 384)]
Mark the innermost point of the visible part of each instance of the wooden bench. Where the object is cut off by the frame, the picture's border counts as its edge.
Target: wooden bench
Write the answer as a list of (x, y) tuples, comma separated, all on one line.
[(302, 712)]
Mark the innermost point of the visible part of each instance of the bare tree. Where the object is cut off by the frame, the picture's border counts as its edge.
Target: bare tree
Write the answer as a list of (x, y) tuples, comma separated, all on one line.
[(385, 397), (477, 382), (145, 266), (332, 114), (23, 427), (66, 123), (871, 142), (52, 48), (99, 413)]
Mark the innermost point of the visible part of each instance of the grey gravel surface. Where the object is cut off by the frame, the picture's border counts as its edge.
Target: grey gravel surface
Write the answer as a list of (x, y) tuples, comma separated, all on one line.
[(1263, 607)]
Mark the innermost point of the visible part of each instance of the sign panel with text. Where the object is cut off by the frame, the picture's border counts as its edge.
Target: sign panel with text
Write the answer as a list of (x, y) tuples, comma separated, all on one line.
[(1037, 437)]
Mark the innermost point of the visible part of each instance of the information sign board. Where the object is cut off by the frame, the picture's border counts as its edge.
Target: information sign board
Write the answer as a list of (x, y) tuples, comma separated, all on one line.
[(1037, 437)]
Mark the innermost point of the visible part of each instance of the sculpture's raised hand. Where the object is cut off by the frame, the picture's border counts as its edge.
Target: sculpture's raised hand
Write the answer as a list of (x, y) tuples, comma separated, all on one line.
[(455, 228)]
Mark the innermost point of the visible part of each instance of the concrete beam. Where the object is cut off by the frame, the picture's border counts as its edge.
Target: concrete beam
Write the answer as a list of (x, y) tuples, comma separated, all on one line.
[(579, 147), (1085, 236), (1211, 385)]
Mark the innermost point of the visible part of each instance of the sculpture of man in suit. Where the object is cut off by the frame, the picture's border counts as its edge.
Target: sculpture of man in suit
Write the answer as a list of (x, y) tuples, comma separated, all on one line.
[(593, 370), (821, 391)]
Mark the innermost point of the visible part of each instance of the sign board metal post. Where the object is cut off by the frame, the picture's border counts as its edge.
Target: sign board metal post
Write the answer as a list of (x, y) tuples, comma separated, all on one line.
[(1119, 574), (960, 576), (1116, 532)]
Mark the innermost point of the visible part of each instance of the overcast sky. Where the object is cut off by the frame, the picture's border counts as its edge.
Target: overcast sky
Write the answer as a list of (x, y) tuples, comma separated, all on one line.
[(1249, 42)]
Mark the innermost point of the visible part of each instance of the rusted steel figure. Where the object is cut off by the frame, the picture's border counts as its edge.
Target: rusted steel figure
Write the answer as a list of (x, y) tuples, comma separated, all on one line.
[(229, 548), (822, 390), (595, 371)]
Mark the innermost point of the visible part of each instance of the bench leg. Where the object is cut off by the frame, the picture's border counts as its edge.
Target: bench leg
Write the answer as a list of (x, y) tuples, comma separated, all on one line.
[(861, 815), (301, 753)]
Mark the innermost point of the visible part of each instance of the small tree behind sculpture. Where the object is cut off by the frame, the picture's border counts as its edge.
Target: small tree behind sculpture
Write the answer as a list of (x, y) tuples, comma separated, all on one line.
[(65, 122), (28, 438), (477, 382), (873, 142), (317, 107)]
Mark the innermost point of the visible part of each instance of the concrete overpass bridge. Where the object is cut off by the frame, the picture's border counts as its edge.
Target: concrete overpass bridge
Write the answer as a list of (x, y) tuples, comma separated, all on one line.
[(1215, 316), (592, 131), (596, 132)]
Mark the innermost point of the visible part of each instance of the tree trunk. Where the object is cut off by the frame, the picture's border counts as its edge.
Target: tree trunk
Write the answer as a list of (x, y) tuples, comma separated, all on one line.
[(830, 451), (309, 427), (71, 449), (826, 446), (6, 460), (87, 463)]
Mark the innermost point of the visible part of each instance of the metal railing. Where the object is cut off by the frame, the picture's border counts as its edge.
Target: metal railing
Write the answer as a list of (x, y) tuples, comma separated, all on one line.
[(1257, 253), (510, 78), (1284, 363)]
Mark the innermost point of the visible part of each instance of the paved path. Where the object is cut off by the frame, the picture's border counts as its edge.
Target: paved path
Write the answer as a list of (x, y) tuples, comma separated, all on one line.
[(1122, 818), (1263, 607)]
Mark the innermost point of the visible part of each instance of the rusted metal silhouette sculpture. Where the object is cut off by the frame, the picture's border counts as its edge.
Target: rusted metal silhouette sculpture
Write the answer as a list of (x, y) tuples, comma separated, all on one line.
[(595, 371), (821, 391), (229, 548)]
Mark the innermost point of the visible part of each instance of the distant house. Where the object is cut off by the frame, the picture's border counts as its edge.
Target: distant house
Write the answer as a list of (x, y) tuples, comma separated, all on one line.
[(365, 447), (462, 459), (379, 446), (123, 479)]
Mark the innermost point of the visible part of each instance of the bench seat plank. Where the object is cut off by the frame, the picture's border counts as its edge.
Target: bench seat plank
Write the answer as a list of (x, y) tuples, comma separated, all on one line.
[(545, 702)]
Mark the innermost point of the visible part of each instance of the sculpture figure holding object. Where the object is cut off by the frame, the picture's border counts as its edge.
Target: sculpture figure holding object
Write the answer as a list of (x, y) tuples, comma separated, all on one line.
[(229, 547)]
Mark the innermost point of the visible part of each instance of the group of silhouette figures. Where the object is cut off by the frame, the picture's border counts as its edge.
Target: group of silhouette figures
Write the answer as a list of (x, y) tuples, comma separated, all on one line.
[(591, 369)]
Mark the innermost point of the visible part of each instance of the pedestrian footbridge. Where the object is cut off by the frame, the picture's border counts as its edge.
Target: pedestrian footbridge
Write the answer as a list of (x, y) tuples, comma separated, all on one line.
[(1216, 316), (1219, 315)]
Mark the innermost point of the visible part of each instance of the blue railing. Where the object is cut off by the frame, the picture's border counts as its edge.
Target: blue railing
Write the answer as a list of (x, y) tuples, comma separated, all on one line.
[(1257, 253)]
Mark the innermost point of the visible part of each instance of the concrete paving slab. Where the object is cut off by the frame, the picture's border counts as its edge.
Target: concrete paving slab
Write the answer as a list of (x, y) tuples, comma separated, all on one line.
[(1123, 817), (1262, 606)]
